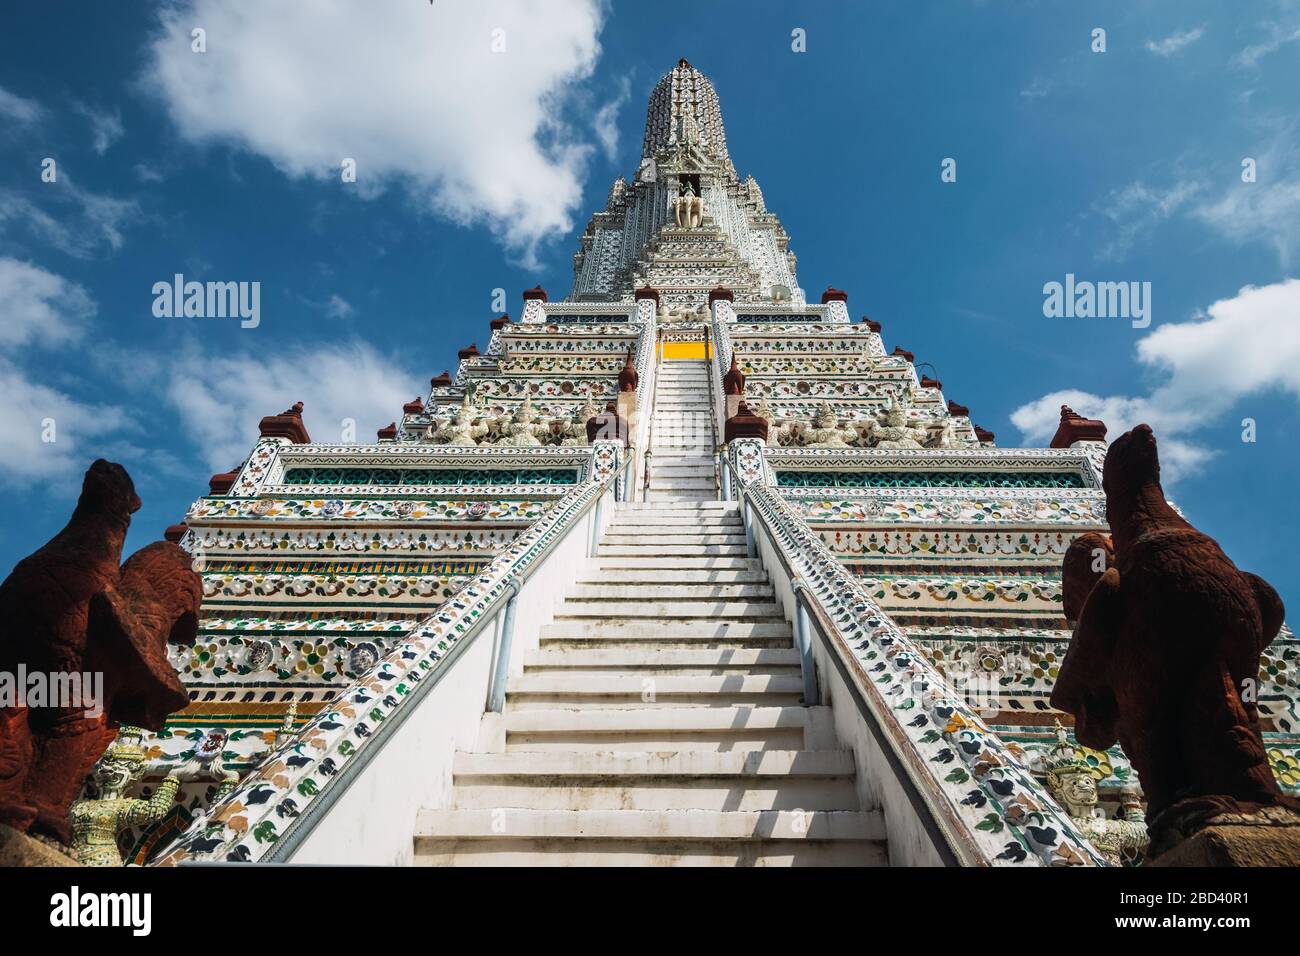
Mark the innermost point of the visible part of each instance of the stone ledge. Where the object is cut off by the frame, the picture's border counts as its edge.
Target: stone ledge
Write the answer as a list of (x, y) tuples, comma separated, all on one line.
[(19, 849), (1268, 837)]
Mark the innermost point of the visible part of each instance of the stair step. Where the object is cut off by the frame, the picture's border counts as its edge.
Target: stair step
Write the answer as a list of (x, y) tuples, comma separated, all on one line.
[(672, 550), (632, 765), (630, 661), (670, 781), (722, 537), (728, 728), (646, 853), (677, 562), (673, 576), (718, 608), (676, 526), (578, 691), (699, 633), (679, 592), (710, 825), (676, 512), (718, 506), (649, 838)]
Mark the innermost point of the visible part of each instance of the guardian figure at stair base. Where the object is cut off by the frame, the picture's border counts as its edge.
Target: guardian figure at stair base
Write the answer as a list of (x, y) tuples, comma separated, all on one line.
[(1165, 659)]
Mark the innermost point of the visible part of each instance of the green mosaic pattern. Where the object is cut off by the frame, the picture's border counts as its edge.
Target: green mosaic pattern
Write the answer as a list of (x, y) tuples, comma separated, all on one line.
[(929, 479), (430, 476)]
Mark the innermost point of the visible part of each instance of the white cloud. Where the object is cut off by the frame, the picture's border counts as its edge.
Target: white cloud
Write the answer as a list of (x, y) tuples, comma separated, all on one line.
[(1137, 209), (1279, 36), (1267, 210), (105, 127), (45, 434), (221, 398), (31, 413), (1240, 347), (412, 91), (87, 223), (18, 109), (1176, 42), (605, 122), (338, 307), (39, 307), (1039, 419), (1036, 90)]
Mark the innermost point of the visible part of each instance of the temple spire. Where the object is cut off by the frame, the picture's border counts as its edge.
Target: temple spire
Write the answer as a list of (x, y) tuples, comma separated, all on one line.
[(684, 109)]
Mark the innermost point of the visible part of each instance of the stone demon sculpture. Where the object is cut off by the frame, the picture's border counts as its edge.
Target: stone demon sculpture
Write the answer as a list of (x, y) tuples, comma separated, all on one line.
[(70, 609), (1165, 655)]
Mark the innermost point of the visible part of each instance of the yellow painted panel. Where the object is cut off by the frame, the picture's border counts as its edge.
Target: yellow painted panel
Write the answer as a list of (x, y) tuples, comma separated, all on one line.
[(685, 350)]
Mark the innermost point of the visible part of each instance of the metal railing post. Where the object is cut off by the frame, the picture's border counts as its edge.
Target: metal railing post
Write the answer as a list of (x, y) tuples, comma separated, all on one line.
[(593, 539), (751, 548), (501, 672), (803, 641)]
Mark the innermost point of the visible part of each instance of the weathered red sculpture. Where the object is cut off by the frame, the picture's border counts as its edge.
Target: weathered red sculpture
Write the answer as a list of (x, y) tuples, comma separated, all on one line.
[(608, 425), (1089, 557), (628, 379), (1165, 655), (70, 608), (733, 383), (744, 424)]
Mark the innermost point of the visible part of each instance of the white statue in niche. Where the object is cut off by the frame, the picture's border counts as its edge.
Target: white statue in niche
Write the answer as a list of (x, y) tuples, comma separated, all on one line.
[(524, 428), (826, 431), (688, 208), (462, 429), (896, 432), (576, 431)]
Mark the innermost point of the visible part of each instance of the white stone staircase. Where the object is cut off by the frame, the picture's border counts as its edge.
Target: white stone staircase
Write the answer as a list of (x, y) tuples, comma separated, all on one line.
[(681, 434), (660, 721)]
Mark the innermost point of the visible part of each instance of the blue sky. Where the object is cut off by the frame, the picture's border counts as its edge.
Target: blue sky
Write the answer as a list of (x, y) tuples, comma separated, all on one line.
[(476, 171)]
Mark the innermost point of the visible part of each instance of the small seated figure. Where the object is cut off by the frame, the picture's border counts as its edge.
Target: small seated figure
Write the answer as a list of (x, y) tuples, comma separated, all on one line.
[(576, 430), (1069, 777), (826, 431), (524, 429), (461, 430), (943, 434), (896, 432)]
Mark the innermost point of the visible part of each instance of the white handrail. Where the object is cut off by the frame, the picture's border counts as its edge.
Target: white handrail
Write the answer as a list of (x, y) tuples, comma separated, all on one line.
[(979, 798), (301, 779)]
